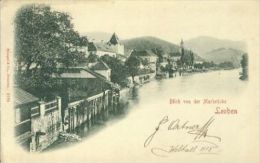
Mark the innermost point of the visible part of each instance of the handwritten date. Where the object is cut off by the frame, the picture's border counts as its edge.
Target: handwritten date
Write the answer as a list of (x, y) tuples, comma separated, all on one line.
[(202, 142)]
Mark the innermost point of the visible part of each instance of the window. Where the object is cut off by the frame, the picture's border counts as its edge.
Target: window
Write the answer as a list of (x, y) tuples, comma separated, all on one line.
[(17, 115)]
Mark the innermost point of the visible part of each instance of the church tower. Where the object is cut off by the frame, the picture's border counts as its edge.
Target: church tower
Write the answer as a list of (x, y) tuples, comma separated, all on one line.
[(115, 43), (114, 39), (182, 47), (182, 51)]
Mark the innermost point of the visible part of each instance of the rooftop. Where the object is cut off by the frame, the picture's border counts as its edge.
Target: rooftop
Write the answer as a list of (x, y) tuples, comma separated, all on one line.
[(100, 65), (23, 97), (76, 73), (114, 39), (101, 47)]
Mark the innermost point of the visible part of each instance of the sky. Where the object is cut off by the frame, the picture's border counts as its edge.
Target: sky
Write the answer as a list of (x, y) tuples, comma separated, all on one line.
[(169, 20)]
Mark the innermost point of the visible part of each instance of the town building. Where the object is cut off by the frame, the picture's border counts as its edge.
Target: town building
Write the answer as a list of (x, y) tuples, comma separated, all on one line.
[(102, 68), (175, 57), (23, 102), (97, 66), (147, 57), (101, 49), (37, 123), (115, 43), (46, 124), (90, 97), (111, 48)]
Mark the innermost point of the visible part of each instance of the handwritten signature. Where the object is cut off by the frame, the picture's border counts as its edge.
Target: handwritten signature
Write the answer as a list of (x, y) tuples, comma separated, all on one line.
[(202, 142)]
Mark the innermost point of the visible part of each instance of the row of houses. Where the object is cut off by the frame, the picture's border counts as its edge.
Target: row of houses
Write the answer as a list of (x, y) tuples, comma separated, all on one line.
[(114, 48), (150, 59), (38, 122)]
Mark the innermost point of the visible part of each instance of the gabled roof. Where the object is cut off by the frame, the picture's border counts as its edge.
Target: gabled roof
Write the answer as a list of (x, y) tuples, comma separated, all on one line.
[(114, 39), (76, 73), (100, 65), (105, 47), (23, 97), (101, 47), (101, 77)]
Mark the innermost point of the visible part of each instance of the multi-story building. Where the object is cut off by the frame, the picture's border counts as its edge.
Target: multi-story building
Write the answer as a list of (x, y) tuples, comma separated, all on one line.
[(111, 48), (88, 93), (24, 102), (37, 123), (146, 56)]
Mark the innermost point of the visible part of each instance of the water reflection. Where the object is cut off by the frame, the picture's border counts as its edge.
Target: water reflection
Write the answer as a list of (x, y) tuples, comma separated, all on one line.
[(151, 100)]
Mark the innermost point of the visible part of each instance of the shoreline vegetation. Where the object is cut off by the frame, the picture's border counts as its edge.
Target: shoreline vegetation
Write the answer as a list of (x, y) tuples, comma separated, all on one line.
[(75, 82)]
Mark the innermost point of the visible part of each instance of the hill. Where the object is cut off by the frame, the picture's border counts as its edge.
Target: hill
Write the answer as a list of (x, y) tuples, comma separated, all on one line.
[(148, 42), (204, 44), (225, 55)]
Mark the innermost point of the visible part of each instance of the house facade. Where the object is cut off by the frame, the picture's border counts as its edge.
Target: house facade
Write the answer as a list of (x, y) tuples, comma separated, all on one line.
[(24, 102), (101, 49), (102, 68), (89, 98), (146, 56), (175, 57), (111, 48), (97, 66), (115, 43), (37, 123), (46, 124)]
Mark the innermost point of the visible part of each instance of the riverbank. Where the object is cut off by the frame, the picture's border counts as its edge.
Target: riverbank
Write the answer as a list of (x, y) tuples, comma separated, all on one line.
[(126, 104), (195, 71), (124, 135), (84, 131)]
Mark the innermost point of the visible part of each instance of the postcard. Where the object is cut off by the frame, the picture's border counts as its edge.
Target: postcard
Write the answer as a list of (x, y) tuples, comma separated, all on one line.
[(130, 81)]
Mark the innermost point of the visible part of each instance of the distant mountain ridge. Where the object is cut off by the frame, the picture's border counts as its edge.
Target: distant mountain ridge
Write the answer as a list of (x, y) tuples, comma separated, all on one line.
[(138, 43), (217, 50), (149, 42), (205, 48), (225, 55), (203, 44)]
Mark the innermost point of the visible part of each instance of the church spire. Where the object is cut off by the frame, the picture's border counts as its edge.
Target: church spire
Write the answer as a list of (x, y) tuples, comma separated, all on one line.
[(182, 47), (114, 39), (182, 43)]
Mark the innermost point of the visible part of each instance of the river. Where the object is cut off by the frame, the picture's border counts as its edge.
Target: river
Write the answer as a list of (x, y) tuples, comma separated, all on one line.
[(122, 137)]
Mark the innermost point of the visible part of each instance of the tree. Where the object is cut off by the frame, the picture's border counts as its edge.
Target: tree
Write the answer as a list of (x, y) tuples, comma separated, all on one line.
[(92, 58), (191, 58), (244, 64), (133, 64), (159, 52), (119, 72), (212, 64), (182, 56), (244, 61), (187, 58), (226, 65), (45, 39)]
